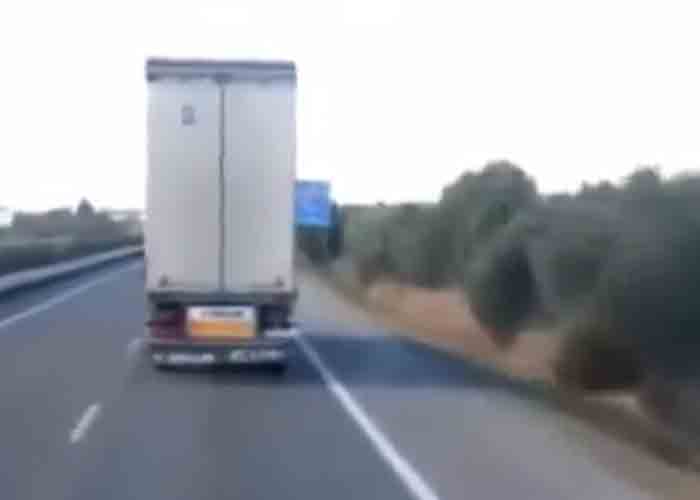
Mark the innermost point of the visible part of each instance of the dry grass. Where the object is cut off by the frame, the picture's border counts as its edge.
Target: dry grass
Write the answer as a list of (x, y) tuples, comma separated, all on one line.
[(443, 319)]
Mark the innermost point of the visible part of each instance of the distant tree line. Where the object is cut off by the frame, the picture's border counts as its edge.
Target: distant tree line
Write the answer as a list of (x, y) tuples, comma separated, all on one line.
[(85, 223), (39, 239)]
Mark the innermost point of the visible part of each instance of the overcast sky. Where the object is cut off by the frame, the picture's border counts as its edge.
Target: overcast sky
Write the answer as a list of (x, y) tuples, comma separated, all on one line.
[(395, 98)]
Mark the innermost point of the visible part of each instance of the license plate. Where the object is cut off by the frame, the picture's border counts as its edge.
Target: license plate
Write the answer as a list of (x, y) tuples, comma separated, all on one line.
[(221, 322)]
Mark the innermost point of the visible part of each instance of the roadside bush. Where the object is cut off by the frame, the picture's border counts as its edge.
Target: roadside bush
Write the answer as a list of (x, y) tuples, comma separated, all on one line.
[(573, 244), (644, 318), (501, 286), (432, 245), (403, 236), (438, 268), (594, 357), (614, 268), (373, 267), (478, 206), (617, 267), (363, 228), (385, 241), (651, 293)]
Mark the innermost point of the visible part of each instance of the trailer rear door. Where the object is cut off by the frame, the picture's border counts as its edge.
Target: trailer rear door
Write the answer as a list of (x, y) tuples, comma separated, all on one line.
[(183, 217), (259, 174)]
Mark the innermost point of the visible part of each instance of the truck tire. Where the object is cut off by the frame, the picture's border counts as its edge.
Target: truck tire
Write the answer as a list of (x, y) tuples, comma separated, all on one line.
[(278, 368)]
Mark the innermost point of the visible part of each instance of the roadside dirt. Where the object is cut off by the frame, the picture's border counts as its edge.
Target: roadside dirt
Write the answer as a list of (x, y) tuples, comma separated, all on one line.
[(443, 319), (618, 435)]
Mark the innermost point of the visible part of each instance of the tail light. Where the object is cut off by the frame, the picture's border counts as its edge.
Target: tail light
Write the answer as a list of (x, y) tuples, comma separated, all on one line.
[(167, 323)]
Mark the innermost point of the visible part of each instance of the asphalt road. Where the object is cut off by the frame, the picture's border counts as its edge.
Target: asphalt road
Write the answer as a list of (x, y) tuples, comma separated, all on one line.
[(359, 414)]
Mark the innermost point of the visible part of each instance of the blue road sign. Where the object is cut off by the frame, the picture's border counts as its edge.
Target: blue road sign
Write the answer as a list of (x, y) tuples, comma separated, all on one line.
[(312, 204)]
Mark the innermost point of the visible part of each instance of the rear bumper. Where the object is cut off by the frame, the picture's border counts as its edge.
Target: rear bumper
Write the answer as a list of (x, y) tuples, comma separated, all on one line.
[(282, 297), (189, 353)]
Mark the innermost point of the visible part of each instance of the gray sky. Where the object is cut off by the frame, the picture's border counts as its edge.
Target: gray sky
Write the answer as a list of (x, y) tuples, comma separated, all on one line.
[(395, 98)]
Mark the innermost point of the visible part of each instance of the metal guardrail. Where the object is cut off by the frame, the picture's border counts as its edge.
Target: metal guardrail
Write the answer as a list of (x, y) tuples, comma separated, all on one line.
[(40, 275)]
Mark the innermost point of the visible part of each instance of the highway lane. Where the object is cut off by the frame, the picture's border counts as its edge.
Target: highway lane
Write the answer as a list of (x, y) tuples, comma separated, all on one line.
[(84, 417)]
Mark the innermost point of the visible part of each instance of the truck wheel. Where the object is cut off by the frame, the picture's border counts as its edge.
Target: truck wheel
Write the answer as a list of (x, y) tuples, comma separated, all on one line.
[(160, 367)]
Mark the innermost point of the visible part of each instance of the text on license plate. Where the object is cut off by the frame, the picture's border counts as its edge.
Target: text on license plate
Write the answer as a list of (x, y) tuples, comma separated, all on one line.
[(221, 321)]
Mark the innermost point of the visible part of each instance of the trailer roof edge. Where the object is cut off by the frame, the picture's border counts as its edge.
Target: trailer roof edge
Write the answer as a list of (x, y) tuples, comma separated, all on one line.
[(157, 68)]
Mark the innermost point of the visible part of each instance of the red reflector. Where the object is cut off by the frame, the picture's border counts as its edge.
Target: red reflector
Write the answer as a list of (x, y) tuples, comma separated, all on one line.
[(167, 323)]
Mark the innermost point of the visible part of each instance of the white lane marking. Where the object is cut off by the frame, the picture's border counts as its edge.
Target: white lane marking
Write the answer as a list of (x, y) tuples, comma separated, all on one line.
[(411, 478), (64, 297), (84, 423)]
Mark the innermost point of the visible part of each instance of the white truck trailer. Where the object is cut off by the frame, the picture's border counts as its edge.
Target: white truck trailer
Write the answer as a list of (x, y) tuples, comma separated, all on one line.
[(219, 231)]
